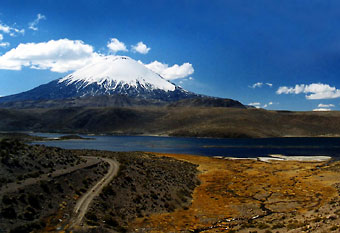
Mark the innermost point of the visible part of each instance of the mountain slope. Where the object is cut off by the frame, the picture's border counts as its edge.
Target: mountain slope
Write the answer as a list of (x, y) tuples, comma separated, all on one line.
[(111, 81), (207, 102), (109, 75), (86, 101)]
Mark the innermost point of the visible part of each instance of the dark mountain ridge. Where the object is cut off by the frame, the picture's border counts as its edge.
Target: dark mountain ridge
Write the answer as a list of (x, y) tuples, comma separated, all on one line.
[(119, 100), (173, 121)]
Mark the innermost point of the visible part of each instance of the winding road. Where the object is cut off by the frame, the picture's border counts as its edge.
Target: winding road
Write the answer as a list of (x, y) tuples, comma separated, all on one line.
[(84, 201)]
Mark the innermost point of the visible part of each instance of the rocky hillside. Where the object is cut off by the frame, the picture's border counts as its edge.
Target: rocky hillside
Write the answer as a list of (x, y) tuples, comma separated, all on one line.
[(40, 186), (38, 182), (146, 184), (20, 161)]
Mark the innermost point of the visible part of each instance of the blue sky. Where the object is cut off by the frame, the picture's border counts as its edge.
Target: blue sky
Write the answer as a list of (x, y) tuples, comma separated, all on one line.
[(279, 54)]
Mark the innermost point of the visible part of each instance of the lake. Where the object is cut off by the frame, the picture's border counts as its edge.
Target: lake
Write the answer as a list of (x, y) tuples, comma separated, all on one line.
[(203, 146)]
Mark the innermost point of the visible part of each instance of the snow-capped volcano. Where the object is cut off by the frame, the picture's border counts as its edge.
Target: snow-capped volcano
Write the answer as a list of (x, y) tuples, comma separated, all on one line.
[(114, 72), (110, 75)]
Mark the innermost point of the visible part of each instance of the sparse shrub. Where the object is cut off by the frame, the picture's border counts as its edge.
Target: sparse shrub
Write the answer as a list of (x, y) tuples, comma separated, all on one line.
[(154, 196), (334, 228), (34, 201), (137, 200), (45, 187), (262, 225), (110, 221), (9, 213), (22, 198), (107, 190), (59, 187), (29, 213), (30, 227), (6, 200), (34, 174), (248, 225), (278, 225), (86, 183), (20, 177), (82, 190), (91, 216), (317, 219), (295, 225), (128, 179)]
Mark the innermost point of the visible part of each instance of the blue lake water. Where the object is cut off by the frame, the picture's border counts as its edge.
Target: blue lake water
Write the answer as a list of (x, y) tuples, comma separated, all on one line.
[(204, 146)]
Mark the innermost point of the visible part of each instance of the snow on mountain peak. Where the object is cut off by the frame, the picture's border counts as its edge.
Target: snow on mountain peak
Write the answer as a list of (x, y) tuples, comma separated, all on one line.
[(112, 71)]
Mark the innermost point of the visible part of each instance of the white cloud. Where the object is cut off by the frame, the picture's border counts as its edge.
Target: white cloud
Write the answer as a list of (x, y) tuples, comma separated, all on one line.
[(4, 44), (183, 80), (322, 109), (260, 84), (56, 55), (172, 72), (115, 45), (65, 55), (258, 104), (33, 25), (312, 91), (326, 106), (11, 30), (268, 104), (4, 28), (255, 104), (140, 47)]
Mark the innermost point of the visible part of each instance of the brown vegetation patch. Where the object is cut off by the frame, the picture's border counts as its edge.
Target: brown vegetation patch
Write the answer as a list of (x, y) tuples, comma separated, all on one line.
[(245, 195)]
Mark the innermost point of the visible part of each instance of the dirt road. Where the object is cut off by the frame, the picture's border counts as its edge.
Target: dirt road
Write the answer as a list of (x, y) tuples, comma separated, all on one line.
[(83, 203)]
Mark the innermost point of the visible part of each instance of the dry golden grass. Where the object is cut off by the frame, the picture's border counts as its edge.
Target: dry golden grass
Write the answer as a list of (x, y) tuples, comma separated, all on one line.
[(240, 189)]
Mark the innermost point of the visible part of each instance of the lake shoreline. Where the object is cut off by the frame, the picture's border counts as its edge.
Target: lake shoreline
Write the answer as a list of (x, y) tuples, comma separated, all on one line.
[(165, 135), (282, 158), (239, 148)]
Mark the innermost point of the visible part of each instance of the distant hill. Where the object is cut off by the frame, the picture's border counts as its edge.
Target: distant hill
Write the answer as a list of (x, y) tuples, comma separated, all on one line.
[(86, 101), (175, 121), (207, 102)]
